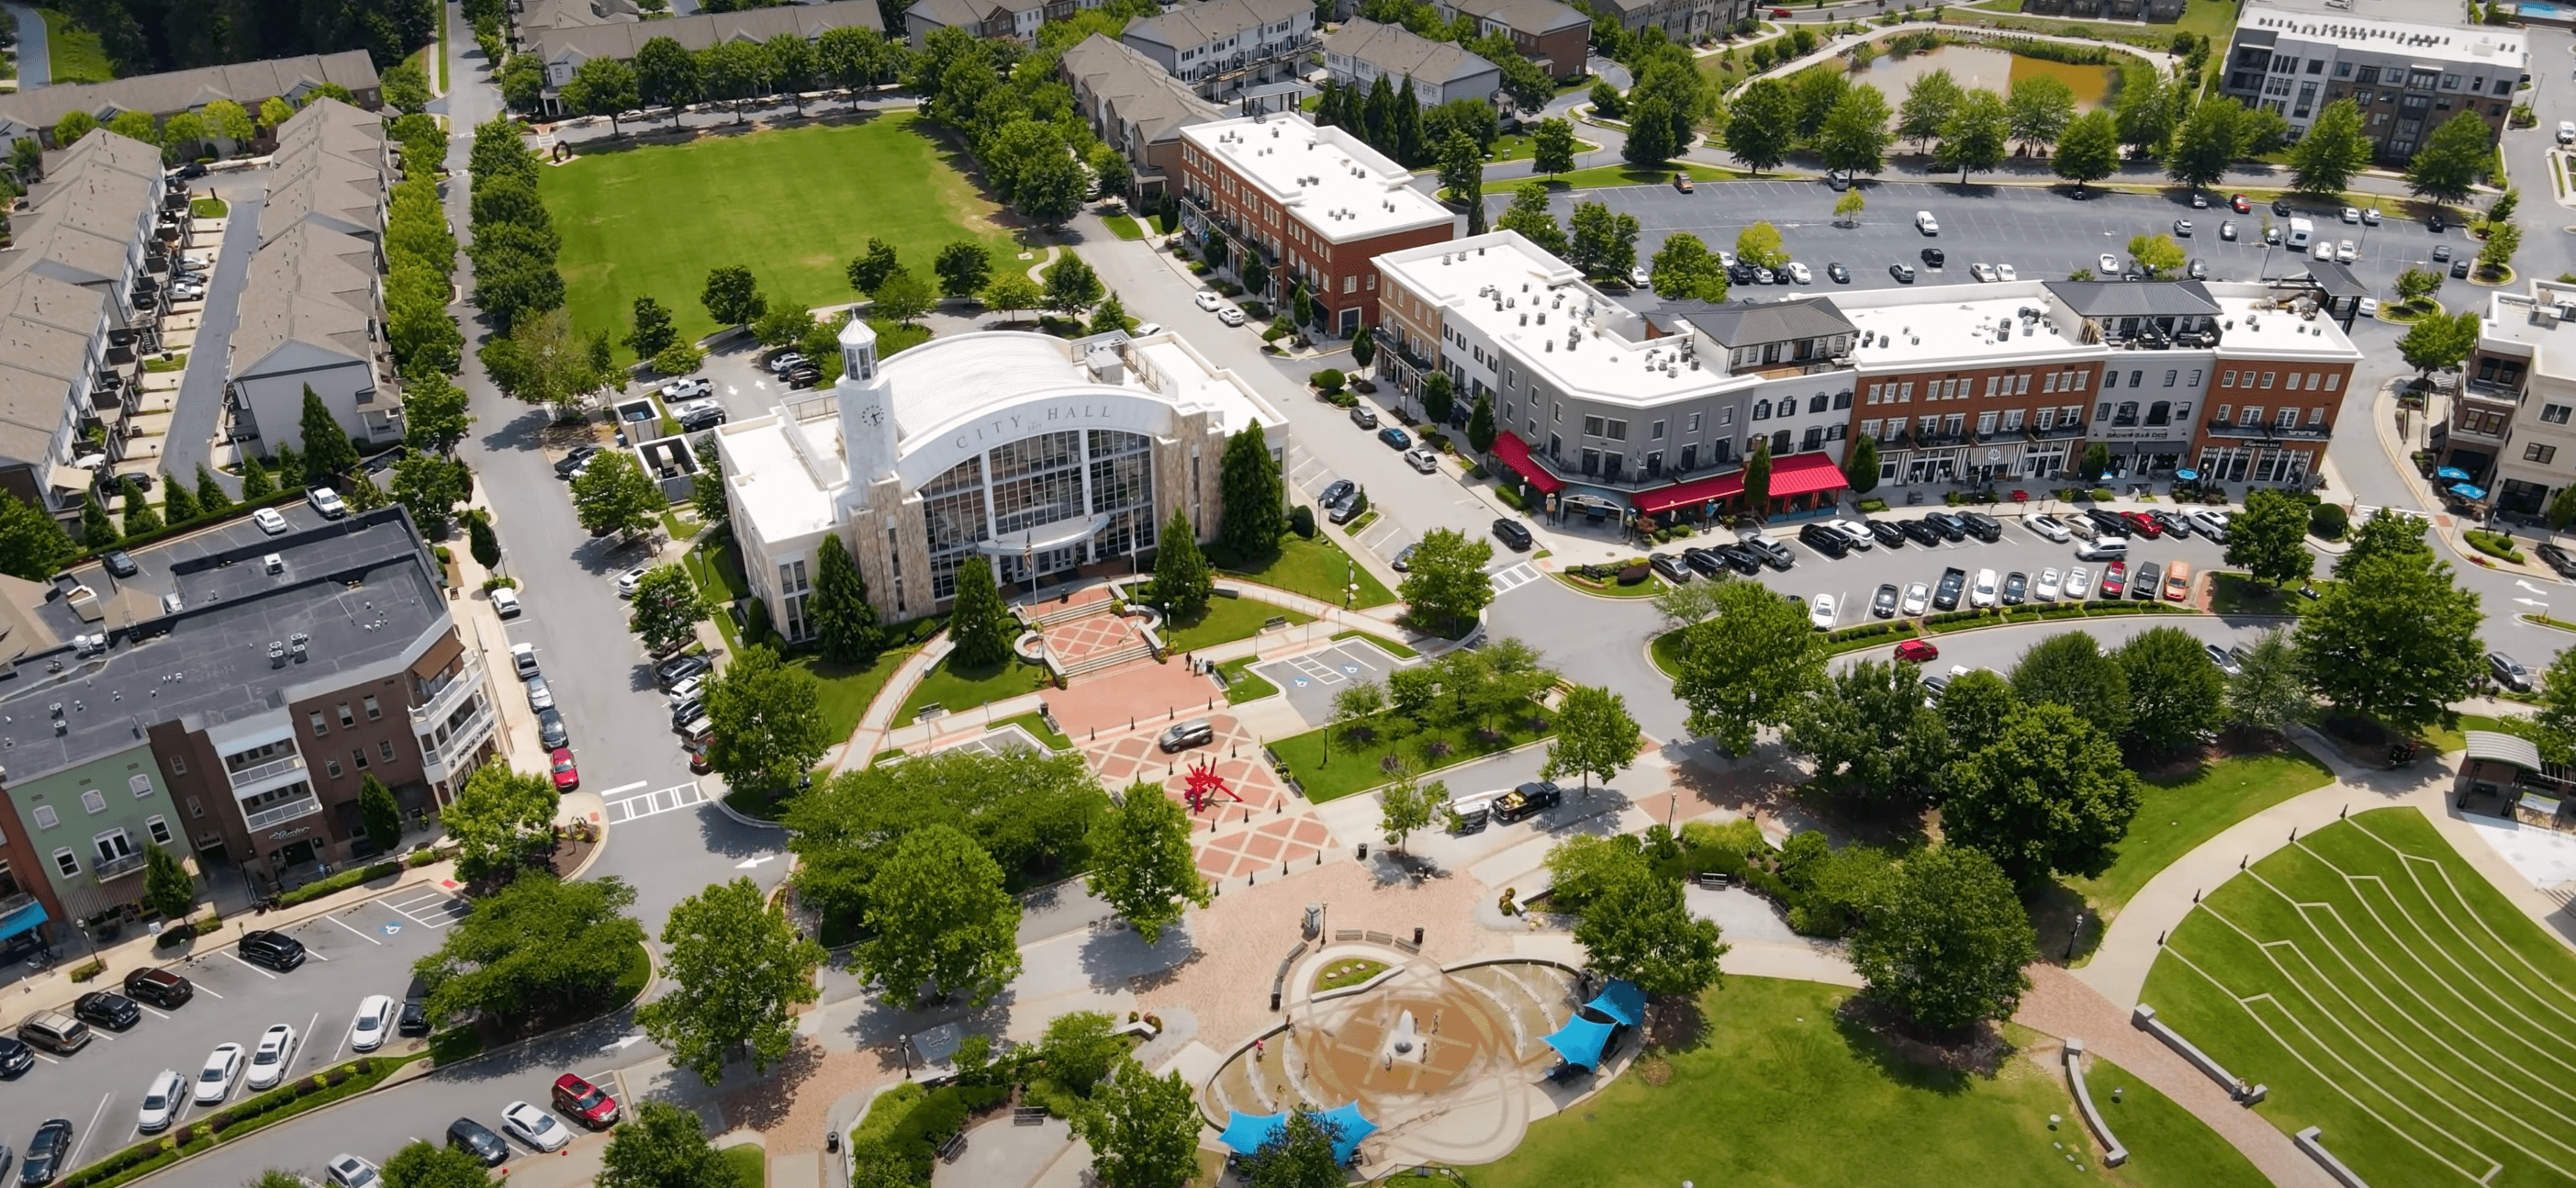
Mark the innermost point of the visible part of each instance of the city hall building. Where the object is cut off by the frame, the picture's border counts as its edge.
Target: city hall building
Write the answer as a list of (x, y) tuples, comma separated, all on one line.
[(1041, 457)]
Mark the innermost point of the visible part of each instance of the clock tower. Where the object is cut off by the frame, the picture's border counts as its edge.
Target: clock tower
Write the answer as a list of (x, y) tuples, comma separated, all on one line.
[(867, 407)]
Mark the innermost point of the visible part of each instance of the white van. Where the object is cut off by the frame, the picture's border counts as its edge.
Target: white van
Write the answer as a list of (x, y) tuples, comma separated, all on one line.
[(1983, 592), (2301, 231), (2105, 549), (2567, 131), (1924, 222)]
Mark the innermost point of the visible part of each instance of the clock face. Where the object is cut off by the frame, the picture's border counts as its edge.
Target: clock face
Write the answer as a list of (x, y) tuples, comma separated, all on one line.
[(873, 415)]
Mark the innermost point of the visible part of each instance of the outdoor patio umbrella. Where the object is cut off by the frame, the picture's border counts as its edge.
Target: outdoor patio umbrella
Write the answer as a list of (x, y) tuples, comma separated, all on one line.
[(2188, 476), (1349, 1127), (1622, 1001), (2452, 473), (2465, 491), (1580, 1041), (1246, 1132)]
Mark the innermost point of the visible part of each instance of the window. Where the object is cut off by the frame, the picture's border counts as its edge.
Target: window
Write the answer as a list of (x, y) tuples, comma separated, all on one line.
[(1874, 390), (1618, 431), (2046, 420), (1869, 428), (333, 766), (2160, 413), (2224, 411), (141, 784), (2536, 452), (2102, 411), (2049, 384), (2334, 380), (374, 712), (1691, 425), (1761, 410), (46, 818), (2195, 377), (358, 757), (2253, 415), (1655, 432), (112, 846), (2289, 419), (2078, 384), (347, 719), (68, 863), (1905, 392), (2267, 378), (1817, 402), (2110, 380), (319, 728), (93, 801), (1726, 416), (2021, 385), (385, 750), (2171, 375), (2138, 379), (2316, 414), (160, 830), (178, 765), (1985, 423), (1592, 426), (2555, 414)]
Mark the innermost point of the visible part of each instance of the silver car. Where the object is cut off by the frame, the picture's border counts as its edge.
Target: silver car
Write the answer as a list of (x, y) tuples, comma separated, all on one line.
[(2079, 583)]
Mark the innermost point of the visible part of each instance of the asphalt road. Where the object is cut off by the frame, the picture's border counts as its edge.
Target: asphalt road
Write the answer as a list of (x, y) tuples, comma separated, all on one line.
[(197, 415)]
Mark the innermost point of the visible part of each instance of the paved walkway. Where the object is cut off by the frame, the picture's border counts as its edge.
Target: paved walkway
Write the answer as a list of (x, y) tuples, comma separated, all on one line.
[(35, 54)]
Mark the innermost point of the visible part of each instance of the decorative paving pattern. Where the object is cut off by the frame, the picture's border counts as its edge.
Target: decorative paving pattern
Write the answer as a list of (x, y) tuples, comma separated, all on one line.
[(1074, 642), (1234, 840)]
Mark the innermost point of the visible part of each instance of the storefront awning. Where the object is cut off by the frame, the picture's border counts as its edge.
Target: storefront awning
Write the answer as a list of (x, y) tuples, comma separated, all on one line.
[(1514, 452), (24, 918), (1664, 499), (1805, 474)]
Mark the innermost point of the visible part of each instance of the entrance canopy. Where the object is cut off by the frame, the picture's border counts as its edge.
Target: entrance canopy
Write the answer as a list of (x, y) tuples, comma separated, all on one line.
[(21, 917), (1805, 474), (1696, 491), (1515, 453), (1044, 537), (1580, 1041), (1621, 1000)]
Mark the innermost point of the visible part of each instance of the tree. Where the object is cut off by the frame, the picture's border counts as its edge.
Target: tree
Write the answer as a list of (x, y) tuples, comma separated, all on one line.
[(1142, 865), (1446, 588), (768, 720), (429, 486), (667, 608), (792, 66), (1602, 243), (1848, 207), (435, 418), (274, 111), (869, 270), (1748, 667), (273, 1178), (1650, 140), (1814, 94), (1854, 136), (1594, 737), (843, 619), (167, 889), (2089, 150), (1528, 214), (603, 86), (1759, 245), (1408, 804), (963, 268), (1684, 268), (33, 545), (2415, 283), (1689, 602), (1927, 107), (2439, 343), (2556, 719), (2335, 150), (2385, 534), (327, 452), (940, 919), (256, 483), (1638, 927), (74, 125), (2048, 793), (1462, 167), (663, 1146), (139, 516), (2157, 253), (1974, 138), (736, 966), (1552, 147), (1143, 1130), (501, 819), (1182, 583), (649, 328), (1300, 1155), (2268, 691), (186, 130), (1757, 473), (904, 297), (135, 125), (848, 57), (2503, 240), (978, 622), (1947, 946), (2145, 113), (97, 530), (482, 542), (2070, 669), (1029, 811), (1480, 424), (2269, 538), (2450, 161), (732, 297), (2395, 640), (1012, 292), (1867, 729), (420, 1165), (2175, 694), (1762, 125), (2205, 145), (614, 495), (535, 947), (382, 816), (1253, 496), (1860, 470), (1071, 286), (2039, 108)]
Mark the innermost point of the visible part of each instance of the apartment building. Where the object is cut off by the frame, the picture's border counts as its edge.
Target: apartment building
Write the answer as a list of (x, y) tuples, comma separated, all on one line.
[(2159, 11), (1363, 51), (312, 304), (1683, 21), (563, 48), (2509, 425), (233, 695), (35, 112), (1225, 47), (2409, 66), (1134, 107), (1556, 36), (1316, 204), (1017, 19)]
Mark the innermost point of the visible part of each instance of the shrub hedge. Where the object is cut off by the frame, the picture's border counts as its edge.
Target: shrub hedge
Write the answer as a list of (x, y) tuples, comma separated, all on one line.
[(339, 882)]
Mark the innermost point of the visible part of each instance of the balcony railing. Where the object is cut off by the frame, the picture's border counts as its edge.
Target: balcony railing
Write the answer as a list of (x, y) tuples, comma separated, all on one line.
[(437, 761), (13, 904), (265, 771), (2491, 390), (112, 868), (2055, 433), (443, 702), (278, 814), (2307, 432)]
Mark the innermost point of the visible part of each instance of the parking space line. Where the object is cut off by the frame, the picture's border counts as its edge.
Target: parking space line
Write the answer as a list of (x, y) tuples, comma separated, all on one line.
[(253, 968), (155, 1014), (201, 989), (94, 1116), (360, 935)]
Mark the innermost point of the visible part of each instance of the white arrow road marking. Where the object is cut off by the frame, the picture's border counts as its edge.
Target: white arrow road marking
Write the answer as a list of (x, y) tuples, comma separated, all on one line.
[(748, 863), (621, 1043), (2528, 586), (2530, 602)]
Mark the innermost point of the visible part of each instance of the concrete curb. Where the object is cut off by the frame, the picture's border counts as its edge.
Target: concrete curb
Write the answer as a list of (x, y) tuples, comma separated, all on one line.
[(740, 819)]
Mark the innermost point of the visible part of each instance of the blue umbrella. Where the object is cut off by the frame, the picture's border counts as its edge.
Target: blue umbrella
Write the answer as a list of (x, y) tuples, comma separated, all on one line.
[(1349, 1126), (1246, 1132), (1580, 1041), (2453, 473), (2465, 491), (2187, 475), (1622, 1001)]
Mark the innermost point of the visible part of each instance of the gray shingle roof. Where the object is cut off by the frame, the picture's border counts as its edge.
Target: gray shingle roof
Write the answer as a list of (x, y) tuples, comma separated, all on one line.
[(1532, 17), (2134, 299), (1399, 52), (1190, 25), (1743, 323), (246, 83), (1135, 88), (622, 39), (312, 279), (45, 328), (559, 14)]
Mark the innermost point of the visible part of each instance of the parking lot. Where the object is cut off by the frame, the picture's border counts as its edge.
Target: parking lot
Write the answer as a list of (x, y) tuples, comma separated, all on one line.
[(1313, 679), (364, 949)]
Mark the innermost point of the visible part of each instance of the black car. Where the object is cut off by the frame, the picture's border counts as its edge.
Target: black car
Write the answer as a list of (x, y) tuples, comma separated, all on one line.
[(2281, 207), (1521, 802), (2146, 582), (1919, 531), (684, 712), (1342, 510), (1512, 533), (1946, 595), (1883, 603), (2556, 558), (2459, 268), (1704, 560), (1949, 526), (550, 729), (275, 950), (706, 416), (1839, 274), (115, 1012), (414, 1021), (573, 459), (118, 563), (46, 1153), (1886, 532), (1333, 492), (804, 377), (1403, 562), (1825, 540), (2112, 523), (1934, 257), (2174, 525), (15, 1057), (476, 1139), (1771, 552), (2016, 588), (1738, 558), (1739, 274), (160, 987), (1903, 274), (680, 668), (1670, 567), (2441, 251), (1980, 525)]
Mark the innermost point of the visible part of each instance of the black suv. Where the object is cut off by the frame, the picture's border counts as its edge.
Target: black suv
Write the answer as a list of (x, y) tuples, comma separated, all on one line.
[(1980, 525), (476, 1139), (1742, 560), (1949, 525), (275, 950), (1770, 552), (15, 1057), (1919, 531), (160, 987), (1934, 257), (1706, 561), (1946, 595), (1529, 798), (1825, 540), (1886, 532), (2146, 581), (113, 1011), (1512, 533), (2111, 523)]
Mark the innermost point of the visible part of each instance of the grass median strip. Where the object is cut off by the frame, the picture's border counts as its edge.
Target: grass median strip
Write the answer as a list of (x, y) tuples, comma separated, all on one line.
[(241, 1118)]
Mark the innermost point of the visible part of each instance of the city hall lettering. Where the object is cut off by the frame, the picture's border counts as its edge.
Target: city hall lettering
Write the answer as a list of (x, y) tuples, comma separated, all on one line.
[(1016, 423)]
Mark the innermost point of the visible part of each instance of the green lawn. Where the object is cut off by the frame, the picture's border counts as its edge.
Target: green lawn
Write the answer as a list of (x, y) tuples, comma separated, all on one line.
[(1316, 568), (1243, 685), (794, 205), (1123, 226), (2416, 1016), (750, 1165), (1035, 724), (208, 208), (1224, 621), (1390, 647), (2176, 815), (1329, 769), (964, 689), (1780, 1091), (1619, 175), (1612, 589), (74, 53), (2450, 740), (847, 691), (2213, 19), (2237, 594)]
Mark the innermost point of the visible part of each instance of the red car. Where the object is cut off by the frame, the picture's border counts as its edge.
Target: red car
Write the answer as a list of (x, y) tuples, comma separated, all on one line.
[(567, 776), (2237, 203), (1917, 651), (585, 1101), (1779, 13), (2146, 525), (2115, 580)]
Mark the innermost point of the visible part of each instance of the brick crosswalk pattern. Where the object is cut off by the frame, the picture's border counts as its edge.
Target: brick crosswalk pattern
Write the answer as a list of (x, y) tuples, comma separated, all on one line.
[(1233, 839), (1077, 641)]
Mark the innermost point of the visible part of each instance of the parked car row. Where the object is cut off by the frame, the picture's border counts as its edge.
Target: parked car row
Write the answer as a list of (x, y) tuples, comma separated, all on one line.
[(529, 1123)]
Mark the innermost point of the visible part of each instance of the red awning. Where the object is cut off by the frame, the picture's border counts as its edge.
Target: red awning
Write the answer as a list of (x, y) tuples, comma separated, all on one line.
[(1664, 499), (1805, 474), (1515, 453)]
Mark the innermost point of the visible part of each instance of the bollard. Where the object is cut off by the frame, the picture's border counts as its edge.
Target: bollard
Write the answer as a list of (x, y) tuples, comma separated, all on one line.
[(2240, 863), (2160, 940), (1319, 857), (1247, 878), (2346, 809), (2294, 833), (2195, 895)]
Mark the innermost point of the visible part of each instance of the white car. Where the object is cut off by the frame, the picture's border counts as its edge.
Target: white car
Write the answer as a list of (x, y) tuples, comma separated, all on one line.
[(535, 1127), (1637, 278), (2567, 131), (1983, 271), (505, 602), (1918, 598), (1983, 592), (2370, 307), (215, 1081), (2370, 217), (2049, 586), (375, 1018), (162, 1101), (327, 502), (349, 1171), (1422, 459), (2345, 253), (2006, 272), (2208, 523), (1925, 223), (2079, 582), (2323, 251), (691, 388), (269, 520), (1821, 612), (626, 581), (2351, 215), (1230, 315), (1209, 301), (2110, 265), (523, 659), (1861, 540), (1798, 272), (1145, 330), (268, 1062), (2049, 526)]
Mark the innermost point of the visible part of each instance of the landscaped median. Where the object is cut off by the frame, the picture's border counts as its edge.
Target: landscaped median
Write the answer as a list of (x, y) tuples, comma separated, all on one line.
[(1329, 769), (241, 1118)]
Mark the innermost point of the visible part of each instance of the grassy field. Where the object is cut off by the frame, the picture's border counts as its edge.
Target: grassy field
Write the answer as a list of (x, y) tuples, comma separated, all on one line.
[(2237, 594), (965, 688), (1780, 1091), (1243, 685), (1224, 621), (2177, 814), (847, 691), (1123, 226), (72, 52), (795, 206), (2213, 19), (1618, 175), (2453, 740), (1316, 568), (750, 1165), (2390, 997), (1390, 647), (1329, 769)]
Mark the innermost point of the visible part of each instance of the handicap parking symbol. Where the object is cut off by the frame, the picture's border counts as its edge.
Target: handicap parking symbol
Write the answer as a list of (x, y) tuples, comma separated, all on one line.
[(1301, 682), (1350, 668), (392, 928)]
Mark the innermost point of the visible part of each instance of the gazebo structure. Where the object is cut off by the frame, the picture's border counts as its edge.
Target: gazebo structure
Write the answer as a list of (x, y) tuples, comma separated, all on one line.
[(2510, 768)]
